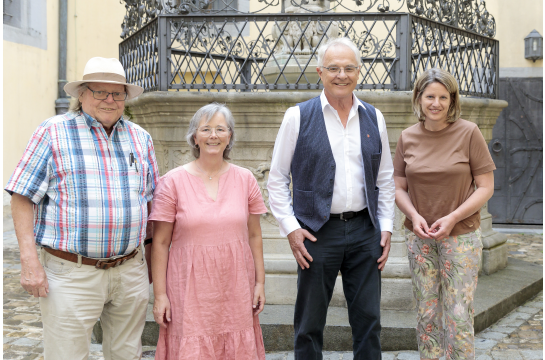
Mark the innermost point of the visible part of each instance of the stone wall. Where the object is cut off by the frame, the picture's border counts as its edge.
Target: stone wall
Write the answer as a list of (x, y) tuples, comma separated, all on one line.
[(258, 117)]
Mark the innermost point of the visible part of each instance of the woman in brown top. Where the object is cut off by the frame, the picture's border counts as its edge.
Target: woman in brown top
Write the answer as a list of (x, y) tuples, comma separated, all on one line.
[(443, 176)]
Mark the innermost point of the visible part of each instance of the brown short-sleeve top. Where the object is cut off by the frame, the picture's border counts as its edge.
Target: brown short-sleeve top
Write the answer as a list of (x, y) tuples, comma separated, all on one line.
[(440, 167)]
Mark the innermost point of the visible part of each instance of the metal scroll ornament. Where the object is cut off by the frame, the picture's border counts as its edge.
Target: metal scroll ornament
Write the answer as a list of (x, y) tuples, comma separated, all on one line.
[(466, 14), (473, 16), (470, 15), (139, 13)]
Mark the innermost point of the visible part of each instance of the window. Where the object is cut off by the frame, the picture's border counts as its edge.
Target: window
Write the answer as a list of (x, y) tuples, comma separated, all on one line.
[(25, 22), (12, 13)]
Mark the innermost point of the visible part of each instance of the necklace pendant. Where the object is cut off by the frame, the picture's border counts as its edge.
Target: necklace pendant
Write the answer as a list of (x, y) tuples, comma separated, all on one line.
[(210, 177)]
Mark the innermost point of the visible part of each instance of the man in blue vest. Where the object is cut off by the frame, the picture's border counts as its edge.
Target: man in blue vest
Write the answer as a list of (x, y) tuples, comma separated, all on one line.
[(336, 149)]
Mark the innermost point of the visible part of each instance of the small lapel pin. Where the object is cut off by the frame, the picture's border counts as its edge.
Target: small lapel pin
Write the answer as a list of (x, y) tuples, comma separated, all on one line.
[(367, 135)]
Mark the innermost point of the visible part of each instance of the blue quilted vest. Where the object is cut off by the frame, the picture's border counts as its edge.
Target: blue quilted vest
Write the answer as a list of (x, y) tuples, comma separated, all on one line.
[(313, 165)]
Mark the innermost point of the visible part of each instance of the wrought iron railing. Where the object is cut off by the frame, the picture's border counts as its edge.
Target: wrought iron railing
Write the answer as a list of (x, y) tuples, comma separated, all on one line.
[(139, 55), (469, 15), (265, 52), (471, 58)]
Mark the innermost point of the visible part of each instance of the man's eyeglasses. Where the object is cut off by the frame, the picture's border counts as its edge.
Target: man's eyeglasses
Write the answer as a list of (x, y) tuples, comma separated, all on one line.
[(207, 131), (348, 70), (103, 95)]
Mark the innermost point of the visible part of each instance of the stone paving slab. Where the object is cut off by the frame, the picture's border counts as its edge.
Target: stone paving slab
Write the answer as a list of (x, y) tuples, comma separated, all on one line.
[(527, 247), (522, 329)]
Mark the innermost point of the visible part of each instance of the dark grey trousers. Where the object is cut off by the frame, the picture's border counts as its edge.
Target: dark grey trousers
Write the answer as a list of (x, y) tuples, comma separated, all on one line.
[(353, 248)]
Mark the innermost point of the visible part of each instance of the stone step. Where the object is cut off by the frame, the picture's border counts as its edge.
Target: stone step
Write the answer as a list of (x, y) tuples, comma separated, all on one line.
[(276, 245), (285, 264), (496, 295), (273, 244)]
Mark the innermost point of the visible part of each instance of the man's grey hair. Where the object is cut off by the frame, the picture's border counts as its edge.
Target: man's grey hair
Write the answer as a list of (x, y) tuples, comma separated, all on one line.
[(75, 104), (331, 43), (206, 113)]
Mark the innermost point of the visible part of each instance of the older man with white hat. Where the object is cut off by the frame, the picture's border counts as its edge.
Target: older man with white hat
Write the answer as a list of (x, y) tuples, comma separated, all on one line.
[(82, 192)]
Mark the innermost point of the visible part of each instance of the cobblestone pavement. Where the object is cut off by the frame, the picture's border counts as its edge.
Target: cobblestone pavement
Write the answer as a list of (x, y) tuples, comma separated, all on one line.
[(527, 247), (519, 335)]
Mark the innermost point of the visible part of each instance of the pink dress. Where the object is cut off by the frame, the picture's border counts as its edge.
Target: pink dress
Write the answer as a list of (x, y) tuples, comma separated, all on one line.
[(210, 273)]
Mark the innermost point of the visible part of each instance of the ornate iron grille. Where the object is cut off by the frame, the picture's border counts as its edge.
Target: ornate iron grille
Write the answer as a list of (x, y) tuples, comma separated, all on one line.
[(278, 52), (140, 57), (472, 59), (470, 15), (281, 54), (211, 45)]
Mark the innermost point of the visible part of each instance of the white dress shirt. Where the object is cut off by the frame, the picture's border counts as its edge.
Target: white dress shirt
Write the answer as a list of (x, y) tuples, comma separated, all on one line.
[(349, 185)]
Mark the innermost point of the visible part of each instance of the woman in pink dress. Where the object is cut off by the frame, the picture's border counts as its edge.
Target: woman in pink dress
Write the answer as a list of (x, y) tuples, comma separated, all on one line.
[(209, 288)]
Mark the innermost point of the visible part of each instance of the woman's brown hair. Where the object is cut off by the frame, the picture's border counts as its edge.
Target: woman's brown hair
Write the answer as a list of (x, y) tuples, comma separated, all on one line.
[(444, 78)]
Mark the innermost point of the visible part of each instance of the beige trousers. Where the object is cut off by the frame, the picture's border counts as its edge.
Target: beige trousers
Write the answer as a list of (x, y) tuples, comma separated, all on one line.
[(79, 295)]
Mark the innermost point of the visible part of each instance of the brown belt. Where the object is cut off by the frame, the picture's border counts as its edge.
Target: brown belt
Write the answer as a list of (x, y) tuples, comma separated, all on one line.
[(99, 264)]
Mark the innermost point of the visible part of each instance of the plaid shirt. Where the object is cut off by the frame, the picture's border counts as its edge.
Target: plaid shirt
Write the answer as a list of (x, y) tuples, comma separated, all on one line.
[(89, 198)]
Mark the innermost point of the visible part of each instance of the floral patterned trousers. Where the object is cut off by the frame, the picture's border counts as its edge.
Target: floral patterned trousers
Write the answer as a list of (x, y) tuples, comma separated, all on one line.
[(444, 276)]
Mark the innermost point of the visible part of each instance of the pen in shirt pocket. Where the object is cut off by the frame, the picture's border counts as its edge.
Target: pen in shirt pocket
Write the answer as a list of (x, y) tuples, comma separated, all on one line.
[(132, 160)]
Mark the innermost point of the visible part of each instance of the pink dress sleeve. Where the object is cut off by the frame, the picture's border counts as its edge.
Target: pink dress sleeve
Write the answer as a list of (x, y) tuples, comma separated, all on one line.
[(164, 200), (256, 205)]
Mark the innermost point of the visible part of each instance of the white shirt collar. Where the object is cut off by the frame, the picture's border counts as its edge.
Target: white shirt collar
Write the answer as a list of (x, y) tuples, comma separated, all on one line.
[(355, 102)]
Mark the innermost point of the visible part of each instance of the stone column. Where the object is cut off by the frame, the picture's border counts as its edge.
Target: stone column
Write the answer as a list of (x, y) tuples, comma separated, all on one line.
[(485, 112), (258, 117)]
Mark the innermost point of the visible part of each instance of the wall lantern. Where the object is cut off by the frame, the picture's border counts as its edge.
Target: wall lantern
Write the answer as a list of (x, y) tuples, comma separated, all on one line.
[(533, 46)]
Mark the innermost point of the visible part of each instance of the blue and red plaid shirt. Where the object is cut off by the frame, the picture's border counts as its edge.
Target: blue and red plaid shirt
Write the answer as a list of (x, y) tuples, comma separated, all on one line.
[(89, 197)]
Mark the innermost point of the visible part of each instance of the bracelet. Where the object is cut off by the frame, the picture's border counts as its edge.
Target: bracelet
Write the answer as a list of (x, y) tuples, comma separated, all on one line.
[(148, 241)]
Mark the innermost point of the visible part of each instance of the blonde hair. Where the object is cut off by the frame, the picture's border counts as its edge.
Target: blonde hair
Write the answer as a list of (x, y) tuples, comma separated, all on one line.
[(444, 78), (75, 104)]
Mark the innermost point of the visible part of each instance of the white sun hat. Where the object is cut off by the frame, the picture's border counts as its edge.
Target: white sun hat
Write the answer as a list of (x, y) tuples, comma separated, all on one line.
[(102, 70)]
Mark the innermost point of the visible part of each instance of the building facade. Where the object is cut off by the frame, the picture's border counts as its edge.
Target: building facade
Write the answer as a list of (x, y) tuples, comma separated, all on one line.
[(31, 56)]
